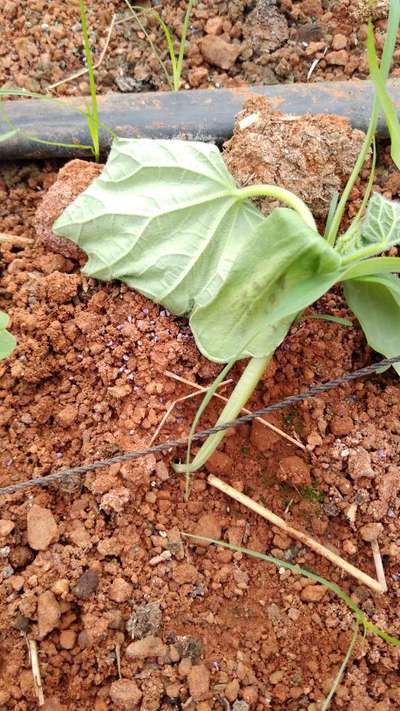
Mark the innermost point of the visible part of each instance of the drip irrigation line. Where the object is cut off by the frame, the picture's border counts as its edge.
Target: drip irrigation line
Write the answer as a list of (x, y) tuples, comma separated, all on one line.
[(174, 444)]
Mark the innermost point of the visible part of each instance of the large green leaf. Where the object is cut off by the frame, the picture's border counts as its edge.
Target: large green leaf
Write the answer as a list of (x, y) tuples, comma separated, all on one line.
[(166, 218), (375, 301), (7, 340)]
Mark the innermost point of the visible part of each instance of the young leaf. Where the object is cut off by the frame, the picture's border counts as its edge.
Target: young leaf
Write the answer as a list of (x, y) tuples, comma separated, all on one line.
[(375, 300), (379, 231), (7, 340)]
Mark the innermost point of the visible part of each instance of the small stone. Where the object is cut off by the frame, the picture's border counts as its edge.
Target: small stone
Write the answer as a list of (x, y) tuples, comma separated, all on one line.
[(219, 463), (49, 613), (198, 681), (339, 58), (240, 706), (17, 582), (184, 667), (313, 593), (42, 528), (185, 573), (145, 620), (61, 587), (231, 691), (250, 694), (172, 691), (218, 52), (294, 470), (339, 42), (67, 639), (146, 647), (125, 694), (341, 426), (79, 535), (87, 584), (115, 500), (119, 391), (53, 704), (359, 464), (209, 527), (276, 677), (263, 438), (214, 26), (349, 547), (120, 590), (67, 416), (371, 531), (203, 706), (6, 526)]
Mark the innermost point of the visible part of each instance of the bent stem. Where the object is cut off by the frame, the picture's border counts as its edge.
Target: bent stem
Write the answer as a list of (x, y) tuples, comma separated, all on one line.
[(283, 195), (242, 392)]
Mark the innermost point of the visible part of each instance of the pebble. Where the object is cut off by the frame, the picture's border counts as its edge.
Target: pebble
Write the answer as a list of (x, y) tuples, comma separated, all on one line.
[(339, 42), (6, 526), (341, 426), (359, 464), (198, 681), (276, 676), (79, 535), (120, 590), (371, 531), (214, 25), (294, 470), (339, 58), (49, 613), (219, 463), (119, 391), (42, 528), (125, 694), (263, 438), (87, 584), (209, 527), (61, 587), (240, 706), (67, 639), (67, 416), (313, 593), (231, 691), (218, 52), (185, 573), (146, 647)]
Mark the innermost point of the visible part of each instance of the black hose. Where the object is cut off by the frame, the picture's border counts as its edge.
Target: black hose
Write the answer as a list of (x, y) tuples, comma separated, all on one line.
[(205, 115)]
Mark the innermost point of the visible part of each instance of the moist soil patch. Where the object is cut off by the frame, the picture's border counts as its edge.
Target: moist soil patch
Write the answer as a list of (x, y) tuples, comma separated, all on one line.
[(96, 569)]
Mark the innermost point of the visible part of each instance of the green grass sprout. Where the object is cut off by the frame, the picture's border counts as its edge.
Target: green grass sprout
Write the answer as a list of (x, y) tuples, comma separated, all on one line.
[(92, 114), (174, 79)]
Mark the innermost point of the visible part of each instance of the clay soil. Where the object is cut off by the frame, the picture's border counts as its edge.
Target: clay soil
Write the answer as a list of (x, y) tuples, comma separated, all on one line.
[(126, 612)]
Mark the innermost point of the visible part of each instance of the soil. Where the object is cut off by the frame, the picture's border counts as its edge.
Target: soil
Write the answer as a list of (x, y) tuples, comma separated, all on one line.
[(96, 569), (264, 41), (126, 612)]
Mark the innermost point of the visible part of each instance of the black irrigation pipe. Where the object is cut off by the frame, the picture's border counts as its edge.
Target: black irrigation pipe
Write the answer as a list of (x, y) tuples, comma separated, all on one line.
[(205, 115)]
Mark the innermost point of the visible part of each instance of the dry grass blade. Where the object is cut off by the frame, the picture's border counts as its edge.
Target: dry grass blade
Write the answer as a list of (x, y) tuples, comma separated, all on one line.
[(362, 577), (244, 409), (181, 399), (380, 573), (85, 70), (37, 679)]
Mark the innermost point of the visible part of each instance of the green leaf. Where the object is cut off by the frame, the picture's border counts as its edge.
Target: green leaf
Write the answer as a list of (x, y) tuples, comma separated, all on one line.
[(166, 218), (7, 340), (379, 230), (283, 267), (375, 300), (374, 265)]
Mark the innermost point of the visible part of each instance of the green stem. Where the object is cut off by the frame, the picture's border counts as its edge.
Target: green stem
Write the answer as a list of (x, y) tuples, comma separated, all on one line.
[(242, 392), (342, 668), (283, 195), (92, 114)]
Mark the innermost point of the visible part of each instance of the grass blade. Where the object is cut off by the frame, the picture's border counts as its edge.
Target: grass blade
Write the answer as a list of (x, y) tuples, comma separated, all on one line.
[(135, 14), (342, 669), (388, 107), (92, 112), (182, 45)]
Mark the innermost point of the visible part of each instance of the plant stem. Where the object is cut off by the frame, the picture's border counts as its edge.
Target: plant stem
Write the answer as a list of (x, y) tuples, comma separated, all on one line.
[(92, 113), (182, 46), (283, 195), (342, 668), (242, 392)]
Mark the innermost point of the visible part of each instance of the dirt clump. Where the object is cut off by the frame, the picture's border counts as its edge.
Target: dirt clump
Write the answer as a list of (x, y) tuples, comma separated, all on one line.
[(311, 156)]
